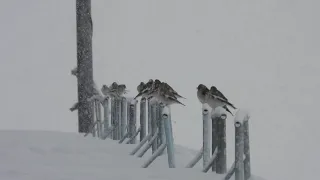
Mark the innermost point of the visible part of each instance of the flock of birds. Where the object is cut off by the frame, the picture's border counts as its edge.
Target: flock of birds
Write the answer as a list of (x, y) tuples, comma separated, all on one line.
[(165, 94)]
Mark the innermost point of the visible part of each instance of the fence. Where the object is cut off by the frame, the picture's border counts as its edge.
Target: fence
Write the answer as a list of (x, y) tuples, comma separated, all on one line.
[(155, 129), (218, 161)]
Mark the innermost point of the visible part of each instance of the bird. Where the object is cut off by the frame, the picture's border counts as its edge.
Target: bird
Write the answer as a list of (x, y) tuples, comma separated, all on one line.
[(154, 88), (207, 96), (140, 87), (215, 98), (173, 91), (111, 90), (165, 96), (143, 89), (201, 93), (121, 90)]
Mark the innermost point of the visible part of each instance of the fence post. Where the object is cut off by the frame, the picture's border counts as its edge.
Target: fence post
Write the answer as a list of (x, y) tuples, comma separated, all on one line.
[(132, 120), (214, 138), (166, 117), (162, 134), (98, 118), (206, 140), (123, 117), (154, 126), (106, 114), (113, 118), (239, 145), (247, 166), (92, 105), (142, 118), (149, 118), (220, 117)]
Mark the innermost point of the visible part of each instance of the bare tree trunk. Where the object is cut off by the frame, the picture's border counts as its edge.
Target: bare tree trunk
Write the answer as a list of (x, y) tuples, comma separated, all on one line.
[(84, 58)]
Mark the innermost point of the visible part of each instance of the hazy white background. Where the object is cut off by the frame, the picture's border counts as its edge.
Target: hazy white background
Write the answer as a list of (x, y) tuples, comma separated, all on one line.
[(263, 55)]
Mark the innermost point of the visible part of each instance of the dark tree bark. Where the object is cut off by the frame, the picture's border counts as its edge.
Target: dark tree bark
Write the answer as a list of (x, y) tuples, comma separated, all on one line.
[(84, 59)]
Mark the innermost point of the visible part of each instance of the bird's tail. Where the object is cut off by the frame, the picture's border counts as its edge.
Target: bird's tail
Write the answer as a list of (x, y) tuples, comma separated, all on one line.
[(227, 109), (137, 95), (178, 102), (179, 96), (231, 105)]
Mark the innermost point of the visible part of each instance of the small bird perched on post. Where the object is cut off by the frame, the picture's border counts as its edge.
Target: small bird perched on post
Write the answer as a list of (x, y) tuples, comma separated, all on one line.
[(113, 89), (165, 94), (143, 89), (121, 90), (213, 97)]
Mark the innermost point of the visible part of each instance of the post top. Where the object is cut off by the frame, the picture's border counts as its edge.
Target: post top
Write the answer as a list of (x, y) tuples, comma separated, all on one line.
[(218, 112), (241, 116), (133, 101), (165, 111), (205, 108)]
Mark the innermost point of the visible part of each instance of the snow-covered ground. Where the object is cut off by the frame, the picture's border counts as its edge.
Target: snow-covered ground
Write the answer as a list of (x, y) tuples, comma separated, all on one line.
[(263, 55), (39, 155)]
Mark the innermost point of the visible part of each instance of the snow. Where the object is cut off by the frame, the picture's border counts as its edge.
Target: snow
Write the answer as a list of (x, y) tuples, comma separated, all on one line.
[(166, 111), (241, 115), (205, 108), (38, 155), (217, 112)]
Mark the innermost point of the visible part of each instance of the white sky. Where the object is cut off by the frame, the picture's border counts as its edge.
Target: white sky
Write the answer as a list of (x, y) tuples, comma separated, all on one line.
[(263, 55)]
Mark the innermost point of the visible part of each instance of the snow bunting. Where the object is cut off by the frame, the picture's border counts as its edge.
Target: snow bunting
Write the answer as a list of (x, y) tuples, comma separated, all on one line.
[(111, 90), (169, 88), (215, 98), (143, 89), (201, 93), (204, 96), (164, 95), (121, 90)]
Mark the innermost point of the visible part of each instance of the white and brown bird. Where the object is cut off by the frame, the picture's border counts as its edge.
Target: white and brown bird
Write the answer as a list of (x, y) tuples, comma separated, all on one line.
[(171, 90), (111, 91), (213, 97), (144, 89), (121, 90), (165, 95), (202, 92)]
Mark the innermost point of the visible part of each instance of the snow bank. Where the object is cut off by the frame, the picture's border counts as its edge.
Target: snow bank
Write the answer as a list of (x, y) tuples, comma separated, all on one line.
[(38, 155)]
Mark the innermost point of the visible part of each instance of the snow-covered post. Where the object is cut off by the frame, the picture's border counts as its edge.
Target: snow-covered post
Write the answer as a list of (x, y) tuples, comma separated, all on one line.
[(149, 118), (206, 140), (113, 118), (239, 145), (196, 159), (132, 120), (93, 123), (119, 101), (105, 103), (143, 119), (128, 114), (214, 138), (162, 133), (149, 144), (219, 116), (247, 166), (98, 118), (123, 116), (166, 117), (154, 126)]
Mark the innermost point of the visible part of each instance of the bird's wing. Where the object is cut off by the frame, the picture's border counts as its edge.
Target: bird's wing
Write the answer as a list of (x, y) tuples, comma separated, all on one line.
[(223, 100), (217, 93)]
